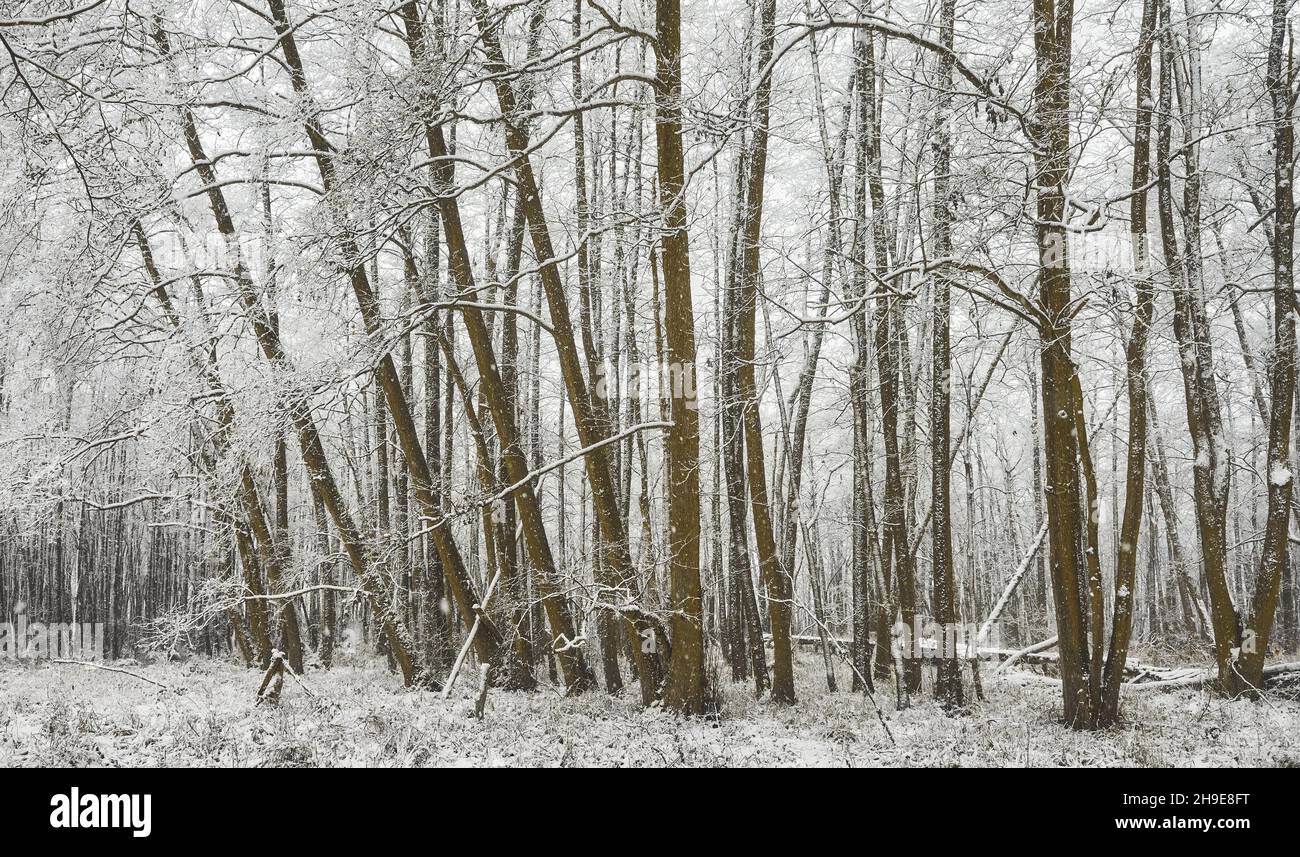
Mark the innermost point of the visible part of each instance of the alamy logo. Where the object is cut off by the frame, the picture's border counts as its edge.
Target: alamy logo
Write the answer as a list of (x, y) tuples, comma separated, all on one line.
[(90, 810), (54, 640)]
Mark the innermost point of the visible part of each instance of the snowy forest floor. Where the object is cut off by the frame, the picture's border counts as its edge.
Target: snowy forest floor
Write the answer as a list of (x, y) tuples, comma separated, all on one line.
[(69, 715)]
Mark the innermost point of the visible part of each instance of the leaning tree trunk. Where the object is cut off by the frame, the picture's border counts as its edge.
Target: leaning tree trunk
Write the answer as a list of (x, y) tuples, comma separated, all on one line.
[(249, 556), (298, 406), (616, 571), (574, 671), (487, 641)]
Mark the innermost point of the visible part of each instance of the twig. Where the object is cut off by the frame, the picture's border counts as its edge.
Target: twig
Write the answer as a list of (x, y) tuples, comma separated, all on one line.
[(297, 678), (107, 668), (863, 680)]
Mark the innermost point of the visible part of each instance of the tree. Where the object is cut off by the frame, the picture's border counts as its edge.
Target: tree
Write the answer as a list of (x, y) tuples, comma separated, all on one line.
[(776, 579), (947, 686), (1249, 674), (685, 691)]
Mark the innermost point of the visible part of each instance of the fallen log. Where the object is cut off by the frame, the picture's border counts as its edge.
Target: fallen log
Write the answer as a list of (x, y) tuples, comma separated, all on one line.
[(813, 640), (963, 651), (1036, 648), (1012, 585), (1186, 677), (1176, 678), (1035, 654)]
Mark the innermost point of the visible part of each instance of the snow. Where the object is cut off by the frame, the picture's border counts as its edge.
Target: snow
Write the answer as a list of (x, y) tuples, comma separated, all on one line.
[(69, 716), (1279, 475)]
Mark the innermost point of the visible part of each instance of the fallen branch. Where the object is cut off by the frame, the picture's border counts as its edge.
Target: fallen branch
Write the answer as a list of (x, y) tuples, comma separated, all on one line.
[(469, 638), (107, 668), (297, 678), (275, 673), (1027, 650), (1012, 584), (323, 587), (846, 656)]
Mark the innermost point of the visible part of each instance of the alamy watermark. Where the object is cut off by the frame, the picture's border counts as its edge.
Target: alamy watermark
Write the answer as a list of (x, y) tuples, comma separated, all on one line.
[(132, 812), (645, 379), (925, 638), (23, 639)]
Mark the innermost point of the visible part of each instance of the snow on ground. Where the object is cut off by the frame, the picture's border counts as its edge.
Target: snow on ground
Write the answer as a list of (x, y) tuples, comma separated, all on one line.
[(67, 715)]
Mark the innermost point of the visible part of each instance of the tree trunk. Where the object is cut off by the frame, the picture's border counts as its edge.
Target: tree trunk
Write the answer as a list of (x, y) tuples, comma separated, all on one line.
[(686, 688), (1280, 474), (1135, 361), (947, 683), (1053, 25)]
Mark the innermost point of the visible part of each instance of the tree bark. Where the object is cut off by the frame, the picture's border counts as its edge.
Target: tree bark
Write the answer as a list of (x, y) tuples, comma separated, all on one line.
[(686, 687), (1268, 586), (1135, 359), (947, 683), (1053, 25)]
